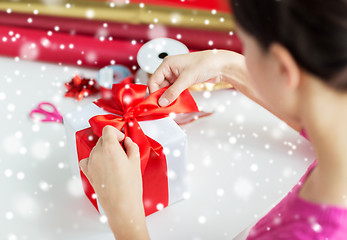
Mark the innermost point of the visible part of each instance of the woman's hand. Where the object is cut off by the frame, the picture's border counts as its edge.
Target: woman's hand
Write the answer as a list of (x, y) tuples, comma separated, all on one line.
[(183, 71), (115, 175)]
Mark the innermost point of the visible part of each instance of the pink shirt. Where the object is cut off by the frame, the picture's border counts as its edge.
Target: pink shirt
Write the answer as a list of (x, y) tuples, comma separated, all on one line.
[(295, 218)]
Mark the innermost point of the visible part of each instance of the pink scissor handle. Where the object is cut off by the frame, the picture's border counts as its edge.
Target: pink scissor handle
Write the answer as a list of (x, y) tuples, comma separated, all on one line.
[(50, 116)]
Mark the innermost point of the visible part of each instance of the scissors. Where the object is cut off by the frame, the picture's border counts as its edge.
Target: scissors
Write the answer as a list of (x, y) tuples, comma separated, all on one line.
[(50, 116)]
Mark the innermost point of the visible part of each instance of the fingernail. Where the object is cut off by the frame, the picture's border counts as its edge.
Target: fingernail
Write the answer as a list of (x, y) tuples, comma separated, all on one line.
[(129, 139), (163, 102)]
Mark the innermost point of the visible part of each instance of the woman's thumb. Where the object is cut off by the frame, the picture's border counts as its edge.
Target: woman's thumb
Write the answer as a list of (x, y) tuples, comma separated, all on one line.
[(84, 166), (173, 91)]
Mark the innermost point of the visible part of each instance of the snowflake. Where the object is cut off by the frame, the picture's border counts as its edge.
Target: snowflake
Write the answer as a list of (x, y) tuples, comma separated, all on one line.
[(207, 94), (176, 153), (40, 149), (29, 51), (9, 215), (103, 219), (202, 219), (190, 167), (316, 227), (160, 206), (20, 175), (90, 13), (243, 187), (11, 107), (44, 186), (220, 192), (8, 172), (186, 195), (254, 167), (175, 18), (171, 174), (232, 140), (240, 118), (74, 187), (12, 236), (61, 165)]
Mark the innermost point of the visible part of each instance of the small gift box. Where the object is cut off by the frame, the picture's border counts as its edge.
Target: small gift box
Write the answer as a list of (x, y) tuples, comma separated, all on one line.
[(162, 143)]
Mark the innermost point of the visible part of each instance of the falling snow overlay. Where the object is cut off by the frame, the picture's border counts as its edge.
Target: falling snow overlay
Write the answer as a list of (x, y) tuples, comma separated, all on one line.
[(241, 161)]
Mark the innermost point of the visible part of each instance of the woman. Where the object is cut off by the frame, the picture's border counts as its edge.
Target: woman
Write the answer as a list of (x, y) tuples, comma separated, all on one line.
[(295, 65)]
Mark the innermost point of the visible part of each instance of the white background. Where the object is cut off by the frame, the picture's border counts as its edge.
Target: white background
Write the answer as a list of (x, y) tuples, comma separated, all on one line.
[(242, 160)]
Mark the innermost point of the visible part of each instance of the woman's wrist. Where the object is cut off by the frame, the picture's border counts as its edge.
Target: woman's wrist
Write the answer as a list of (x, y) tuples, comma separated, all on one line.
[(128, 223), (233, 70)]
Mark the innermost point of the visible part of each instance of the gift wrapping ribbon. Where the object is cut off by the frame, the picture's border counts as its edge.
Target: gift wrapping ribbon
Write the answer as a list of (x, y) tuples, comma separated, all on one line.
[(127, 106)]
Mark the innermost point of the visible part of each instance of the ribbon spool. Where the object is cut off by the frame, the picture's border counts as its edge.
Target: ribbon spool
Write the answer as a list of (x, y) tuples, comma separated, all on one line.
[(152, 54), (109, 75), (141, 77)]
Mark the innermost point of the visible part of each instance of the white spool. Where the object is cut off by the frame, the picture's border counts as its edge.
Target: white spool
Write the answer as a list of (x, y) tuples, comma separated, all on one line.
[(152, 53)]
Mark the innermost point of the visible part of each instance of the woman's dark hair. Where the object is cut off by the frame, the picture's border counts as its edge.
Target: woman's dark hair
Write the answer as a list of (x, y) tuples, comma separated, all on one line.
[(314, 31)]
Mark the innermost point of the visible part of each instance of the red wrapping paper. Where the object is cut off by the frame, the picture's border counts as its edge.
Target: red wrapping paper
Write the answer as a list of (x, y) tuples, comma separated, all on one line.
[(192, 38), (65, 48), (219, 5)]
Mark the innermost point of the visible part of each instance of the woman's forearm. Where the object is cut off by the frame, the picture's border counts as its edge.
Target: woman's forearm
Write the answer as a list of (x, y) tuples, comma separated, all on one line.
[(132, 226), (234, 71)]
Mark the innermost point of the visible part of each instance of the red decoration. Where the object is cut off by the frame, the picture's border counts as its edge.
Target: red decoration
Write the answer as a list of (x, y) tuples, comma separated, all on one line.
[(107, 92), (81, 87), (127, 106), (77, 49)]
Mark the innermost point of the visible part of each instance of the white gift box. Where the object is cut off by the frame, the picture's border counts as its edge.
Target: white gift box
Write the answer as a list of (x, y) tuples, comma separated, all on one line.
[(164, 131)]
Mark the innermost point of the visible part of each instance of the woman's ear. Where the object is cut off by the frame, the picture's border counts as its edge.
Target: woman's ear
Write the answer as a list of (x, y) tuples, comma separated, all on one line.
[(288, 68)]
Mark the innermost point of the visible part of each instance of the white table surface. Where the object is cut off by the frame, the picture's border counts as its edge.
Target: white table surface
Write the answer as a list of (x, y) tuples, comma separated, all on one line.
[(242, 160)]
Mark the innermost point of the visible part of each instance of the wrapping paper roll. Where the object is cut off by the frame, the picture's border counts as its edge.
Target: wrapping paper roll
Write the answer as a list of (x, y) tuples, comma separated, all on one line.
[(131, 13), (193, 38), (218, 5), (64, 48)]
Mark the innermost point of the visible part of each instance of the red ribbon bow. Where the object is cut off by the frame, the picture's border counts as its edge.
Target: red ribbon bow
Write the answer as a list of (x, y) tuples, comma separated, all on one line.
[(128, 105), (79, 88)]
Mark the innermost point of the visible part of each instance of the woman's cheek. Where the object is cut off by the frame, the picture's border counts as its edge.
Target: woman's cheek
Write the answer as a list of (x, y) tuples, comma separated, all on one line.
[(256, 70)]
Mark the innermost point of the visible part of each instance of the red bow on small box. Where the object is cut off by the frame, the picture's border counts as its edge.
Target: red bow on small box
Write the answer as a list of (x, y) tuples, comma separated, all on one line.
[(127, 106), (79, 88)]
